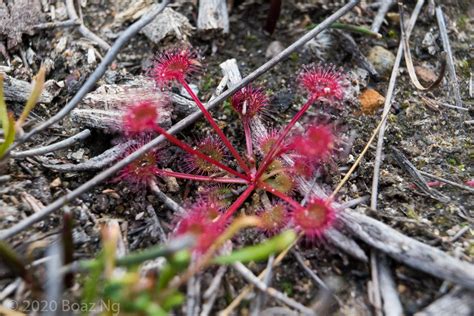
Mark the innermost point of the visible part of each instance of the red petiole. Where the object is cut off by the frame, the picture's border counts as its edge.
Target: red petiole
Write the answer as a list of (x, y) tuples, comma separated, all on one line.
[(271, 154), (280, 195), (237, 203), (197, 153), (216, 128)]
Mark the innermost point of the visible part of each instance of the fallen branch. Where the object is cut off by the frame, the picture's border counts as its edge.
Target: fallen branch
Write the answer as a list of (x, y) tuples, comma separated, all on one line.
[(98, 162), (383, 9), (53, 147), (50, 25), (459, 302), (19, 91), (413, 253), (391, 301)]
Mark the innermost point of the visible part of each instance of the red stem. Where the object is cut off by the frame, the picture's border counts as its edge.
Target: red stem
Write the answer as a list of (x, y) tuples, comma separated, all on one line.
[(196, 177), (216, 127), (248, 139), (199, 154), (269, 157), (236, 205), (279, 194)]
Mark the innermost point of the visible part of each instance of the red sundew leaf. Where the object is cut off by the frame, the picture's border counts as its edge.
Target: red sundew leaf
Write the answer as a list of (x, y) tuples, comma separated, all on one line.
[(174, 65)]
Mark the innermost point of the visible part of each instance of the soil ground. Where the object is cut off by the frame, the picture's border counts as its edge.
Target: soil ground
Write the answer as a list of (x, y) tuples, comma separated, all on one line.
[(436, 140)]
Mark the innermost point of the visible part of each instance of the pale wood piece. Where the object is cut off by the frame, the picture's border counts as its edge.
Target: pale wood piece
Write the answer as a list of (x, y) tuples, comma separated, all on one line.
[(213, 15)]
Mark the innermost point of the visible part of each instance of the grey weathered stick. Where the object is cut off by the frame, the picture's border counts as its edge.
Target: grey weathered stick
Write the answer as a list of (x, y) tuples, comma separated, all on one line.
[(309, 271), (261, 296), (98, 162), (71, 11), (213, 15), (458, 301), (346, 244), (49, 25), (158, 140), (406, 165), (110, 121), (450, 60), (211, 293), (167, 201), (383, 9), (19, 90), (349, 45), (103, 108), (250, 277), (193, 295), (413, 253), (391, 302), (100, 70), (53, 147)]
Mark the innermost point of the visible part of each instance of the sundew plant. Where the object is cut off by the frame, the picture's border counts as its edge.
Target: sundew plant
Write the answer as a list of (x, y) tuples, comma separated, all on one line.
[(267, 163)]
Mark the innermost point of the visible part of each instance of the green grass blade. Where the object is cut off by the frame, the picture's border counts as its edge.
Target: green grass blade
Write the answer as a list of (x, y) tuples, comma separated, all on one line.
[(261, 251)]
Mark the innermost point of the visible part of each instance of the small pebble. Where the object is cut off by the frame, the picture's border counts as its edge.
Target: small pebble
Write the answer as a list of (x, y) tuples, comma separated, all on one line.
[(61, 45), (78, 154), (382, 59), (425, 74), (91, 56), (55, 183), (171, 184), (274, 49), (139, 216)]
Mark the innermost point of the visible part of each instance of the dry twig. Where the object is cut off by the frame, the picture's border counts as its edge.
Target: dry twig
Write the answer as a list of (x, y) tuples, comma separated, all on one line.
[(383, 9), (250, 277), (71, 11), (261, 296), (458, 301), (167, 201), (450, 60), (96, 163), (417, 178), (53, 147)]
